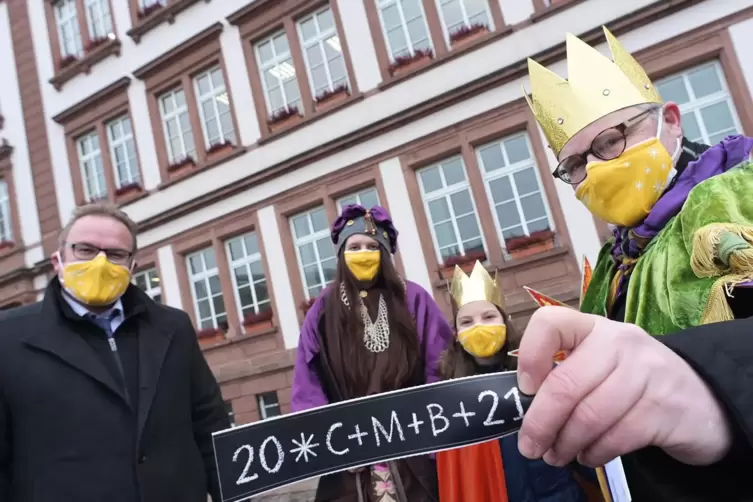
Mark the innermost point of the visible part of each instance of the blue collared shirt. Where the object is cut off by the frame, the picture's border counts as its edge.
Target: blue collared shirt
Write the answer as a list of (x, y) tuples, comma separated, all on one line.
[(114, 313)]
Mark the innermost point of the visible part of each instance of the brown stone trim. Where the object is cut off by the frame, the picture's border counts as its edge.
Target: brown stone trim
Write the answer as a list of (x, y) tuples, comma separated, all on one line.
[(6, 175), (34, 124), (93, 114), (264, 18), (512, 72), (463, 139), (92, 54), (442, 53), (541, 10), (166, 14)]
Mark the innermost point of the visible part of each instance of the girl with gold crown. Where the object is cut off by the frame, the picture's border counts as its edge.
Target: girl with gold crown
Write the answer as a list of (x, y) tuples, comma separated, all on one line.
[(682, 212), (495, 471)]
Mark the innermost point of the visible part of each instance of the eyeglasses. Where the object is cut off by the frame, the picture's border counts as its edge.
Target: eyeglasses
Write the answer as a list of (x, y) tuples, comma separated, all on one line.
[(86, 252), (608, 145)]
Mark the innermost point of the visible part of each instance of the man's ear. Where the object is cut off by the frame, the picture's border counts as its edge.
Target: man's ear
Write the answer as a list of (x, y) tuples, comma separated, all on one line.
[(56, 263), (672, 119)]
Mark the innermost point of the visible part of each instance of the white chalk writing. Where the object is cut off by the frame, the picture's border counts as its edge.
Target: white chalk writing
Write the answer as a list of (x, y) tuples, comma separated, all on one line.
[(489, 422), (415, 423), (518, 405), (245, 478), (358, 435), (304, 447), (394, 424), (263, 458), (329, 440), (436, 417), (465, 415)]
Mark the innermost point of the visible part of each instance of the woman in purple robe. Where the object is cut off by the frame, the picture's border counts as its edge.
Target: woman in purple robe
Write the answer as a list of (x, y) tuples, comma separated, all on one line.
[(370, 332)]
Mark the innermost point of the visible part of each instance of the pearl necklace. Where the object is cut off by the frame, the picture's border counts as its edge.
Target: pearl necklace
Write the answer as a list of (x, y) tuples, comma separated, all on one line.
[(376, 335)]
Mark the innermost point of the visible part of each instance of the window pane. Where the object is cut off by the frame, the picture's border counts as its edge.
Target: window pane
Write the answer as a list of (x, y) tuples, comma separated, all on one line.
[(241, 276), (717, 117), (507, 214), (319, 220), (307, 253), (501, 189), (439, 210), (453, 171), (517, 149), (526, 182), (252, 243), (491, 157), (690, 127), (704, 81), (673, 89), (468, 227), (461, 203), (325, 248), (445, 234), (430, 180), (301, 225), (236, 249), (533, 207)]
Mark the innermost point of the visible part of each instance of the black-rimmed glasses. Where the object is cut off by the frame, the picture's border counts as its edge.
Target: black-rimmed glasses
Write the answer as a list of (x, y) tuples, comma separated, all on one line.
[(85, 252), (608, 145)]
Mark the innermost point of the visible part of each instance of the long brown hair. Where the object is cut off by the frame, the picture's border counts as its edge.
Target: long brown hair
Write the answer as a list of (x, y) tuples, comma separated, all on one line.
[(345, 331), (455, 362)]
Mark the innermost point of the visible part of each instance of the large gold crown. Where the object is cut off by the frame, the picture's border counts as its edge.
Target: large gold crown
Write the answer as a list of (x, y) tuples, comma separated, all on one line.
[(476, 287), (595, 87)]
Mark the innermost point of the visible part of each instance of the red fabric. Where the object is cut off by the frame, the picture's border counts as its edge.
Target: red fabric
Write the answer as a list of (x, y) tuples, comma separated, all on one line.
[(473, 473)]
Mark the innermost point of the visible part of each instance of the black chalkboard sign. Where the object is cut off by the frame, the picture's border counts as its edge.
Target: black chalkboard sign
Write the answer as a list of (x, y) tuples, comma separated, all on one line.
[(265, 455)]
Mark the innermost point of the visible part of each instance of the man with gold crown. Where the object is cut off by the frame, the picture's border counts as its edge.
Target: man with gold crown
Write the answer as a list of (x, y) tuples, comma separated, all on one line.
[(682, 252)]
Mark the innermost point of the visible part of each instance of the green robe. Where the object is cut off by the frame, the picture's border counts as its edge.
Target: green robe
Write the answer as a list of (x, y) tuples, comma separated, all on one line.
[(665, 294)]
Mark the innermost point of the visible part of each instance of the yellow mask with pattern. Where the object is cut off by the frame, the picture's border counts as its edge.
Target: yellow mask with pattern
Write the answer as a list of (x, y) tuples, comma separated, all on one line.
[(483, 340), (623, 191), (97, 282), (364, 265)]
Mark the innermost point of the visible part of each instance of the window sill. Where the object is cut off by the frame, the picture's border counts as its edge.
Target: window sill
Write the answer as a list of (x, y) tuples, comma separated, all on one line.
[(210, 162), (5, 149), (130, 196), (165, 15), (545, 12), (461, 47), (9, 248), (270, 134), (85, 64)]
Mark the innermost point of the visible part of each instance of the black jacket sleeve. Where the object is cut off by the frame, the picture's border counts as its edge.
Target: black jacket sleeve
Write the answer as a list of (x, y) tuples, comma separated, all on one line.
[(5, 450), (208, 414), (722, 355)]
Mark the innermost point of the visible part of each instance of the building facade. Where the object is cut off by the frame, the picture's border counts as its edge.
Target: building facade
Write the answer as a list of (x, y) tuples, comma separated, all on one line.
[(233, 131)]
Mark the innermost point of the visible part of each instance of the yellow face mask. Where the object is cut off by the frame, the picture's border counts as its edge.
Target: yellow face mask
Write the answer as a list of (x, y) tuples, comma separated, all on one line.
[(364, 265), (623, 191), (483, 340), (97, 282)]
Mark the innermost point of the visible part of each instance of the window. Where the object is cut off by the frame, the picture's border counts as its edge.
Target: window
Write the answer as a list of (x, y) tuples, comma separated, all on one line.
[(708, 115), (316, 255), (98, 18), (404, 26), (148, 282), (123, 152), (144, 4), (278, 77), (92, 171), (368, 198), (230, 413), (6, 233), (457, 15), (249, 280), (66, 21), (214, 108), (177, 126), (449, 205), (269, 406), (513, 187), (322, 53), (206, 290)]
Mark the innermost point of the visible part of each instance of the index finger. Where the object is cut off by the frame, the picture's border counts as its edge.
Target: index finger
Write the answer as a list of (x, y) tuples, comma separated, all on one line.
[(550, 330)]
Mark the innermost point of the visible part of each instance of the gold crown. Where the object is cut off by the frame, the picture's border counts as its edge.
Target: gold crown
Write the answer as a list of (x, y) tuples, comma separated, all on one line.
[(478, 286), (595, 87)]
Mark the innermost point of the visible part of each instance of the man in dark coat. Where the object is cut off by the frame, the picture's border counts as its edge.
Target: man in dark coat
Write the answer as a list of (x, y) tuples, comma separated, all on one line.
[(104, 394)]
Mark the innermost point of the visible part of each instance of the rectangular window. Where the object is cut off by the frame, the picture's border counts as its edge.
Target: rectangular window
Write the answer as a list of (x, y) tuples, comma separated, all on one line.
[(316, 255), (148, 282), (123, 152), (149, 3), (92, 170), (404, 27), (230, 413), (214, 108), (177, 126), (322, 52), (249, 280), (457, 15), (6, 232), (368, 198), (514, 187), (278, 78), (206, 290), (66, 20), (708, 115), (449, 205), (269, 406), (98, 18)]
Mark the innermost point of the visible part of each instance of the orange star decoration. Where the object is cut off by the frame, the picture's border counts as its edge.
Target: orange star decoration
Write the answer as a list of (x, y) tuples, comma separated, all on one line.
[(586, 280), (543, 300)]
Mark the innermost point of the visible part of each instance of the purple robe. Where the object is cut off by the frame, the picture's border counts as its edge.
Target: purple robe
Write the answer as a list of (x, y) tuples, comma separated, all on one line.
[(434, 335)]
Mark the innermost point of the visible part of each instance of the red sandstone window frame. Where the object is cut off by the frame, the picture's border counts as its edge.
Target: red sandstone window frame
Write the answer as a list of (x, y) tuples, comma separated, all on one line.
[(15, 243), (176, 70), (145, 19), (265, 18), (94, 114), (94, 49)]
